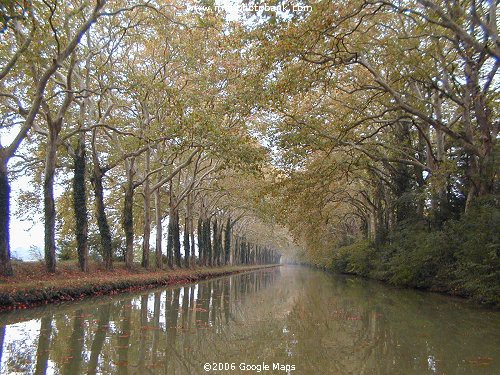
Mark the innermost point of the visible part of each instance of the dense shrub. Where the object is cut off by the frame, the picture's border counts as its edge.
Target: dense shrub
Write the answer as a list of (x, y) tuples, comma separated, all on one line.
[(475, 239), (417, 258), (355, 258), (463, 257)]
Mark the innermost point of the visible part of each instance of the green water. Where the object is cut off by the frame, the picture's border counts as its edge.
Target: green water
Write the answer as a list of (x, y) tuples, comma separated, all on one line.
[(299, 320)]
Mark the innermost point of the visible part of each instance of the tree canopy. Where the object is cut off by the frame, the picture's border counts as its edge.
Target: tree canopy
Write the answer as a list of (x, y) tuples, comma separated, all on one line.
[(289, 133)]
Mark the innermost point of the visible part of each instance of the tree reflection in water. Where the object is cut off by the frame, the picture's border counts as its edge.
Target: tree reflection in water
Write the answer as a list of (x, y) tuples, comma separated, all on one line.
[(318, 322)]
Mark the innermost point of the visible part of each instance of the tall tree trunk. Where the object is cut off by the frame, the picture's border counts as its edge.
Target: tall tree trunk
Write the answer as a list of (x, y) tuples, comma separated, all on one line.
[(398, 210), (48, 201), (170, 243), (128, 213), (5, 262), (419, 176), (220, 247), (483, 168), (191, 234), (171, 229), (189, 212), (236, 257), (147, 213), (159, 230), (80, 204), (216, 248), (227, 242), (128, 223), (201, 246), (193, 247), (187, 249), (208, 243), (174, 242), (372, 225), (102, 220), (176, 238), (237, 252), (439, 196)]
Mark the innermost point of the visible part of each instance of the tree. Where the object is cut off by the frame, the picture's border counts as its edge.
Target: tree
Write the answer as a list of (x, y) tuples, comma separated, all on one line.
[(20, 33)]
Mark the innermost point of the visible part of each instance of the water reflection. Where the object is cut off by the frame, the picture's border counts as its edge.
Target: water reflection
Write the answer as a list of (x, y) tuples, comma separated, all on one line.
[(319, 323)]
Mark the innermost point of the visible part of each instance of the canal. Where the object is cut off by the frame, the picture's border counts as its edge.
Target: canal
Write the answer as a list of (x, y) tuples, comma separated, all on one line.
[(283, 320)]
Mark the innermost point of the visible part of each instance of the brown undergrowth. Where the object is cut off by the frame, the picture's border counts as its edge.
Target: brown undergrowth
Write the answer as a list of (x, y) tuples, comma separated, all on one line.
[(34, 286)]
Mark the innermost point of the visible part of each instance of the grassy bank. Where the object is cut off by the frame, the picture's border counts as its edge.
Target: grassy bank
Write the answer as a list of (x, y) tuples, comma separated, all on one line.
[(33, 286), (461, 258)]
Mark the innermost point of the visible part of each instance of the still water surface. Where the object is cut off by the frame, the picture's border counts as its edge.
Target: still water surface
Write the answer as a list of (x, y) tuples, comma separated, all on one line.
[(307, 321)]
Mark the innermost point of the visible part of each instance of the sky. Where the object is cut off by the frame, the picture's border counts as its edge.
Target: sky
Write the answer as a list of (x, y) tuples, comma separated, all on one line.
[(23, 234)]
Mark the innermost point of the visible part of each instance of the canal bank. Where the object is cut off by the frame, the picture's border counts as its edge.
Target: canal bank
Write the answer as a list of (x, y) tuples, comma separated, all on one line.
[(34, 287)]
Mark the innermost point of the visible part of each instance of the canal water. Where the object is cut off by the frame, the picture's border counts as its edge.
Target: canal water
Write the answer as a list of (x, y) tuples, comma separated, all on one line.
[(283, 320)]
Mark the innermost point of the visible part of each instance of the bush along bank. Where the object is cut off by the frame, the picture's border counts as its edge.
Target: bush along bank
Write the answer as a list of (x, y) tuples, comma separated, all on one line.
[(461, 258), (22, 296)]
